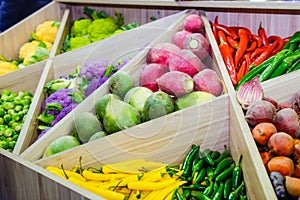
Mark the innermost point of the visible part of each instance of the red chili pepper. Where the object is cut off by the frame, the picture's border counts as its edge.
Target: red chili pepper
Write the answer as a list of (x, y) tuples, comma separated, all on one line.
[(228, 60), (221, 36), (280, 41), (247, 58), (233, 43), (262, 33), (216, 19), (252, 46), (258, 51), (227, 30), (258, 40), (286, 38), (232, 50), (242, 46), (215, 32), (265, 54), (242, 71)]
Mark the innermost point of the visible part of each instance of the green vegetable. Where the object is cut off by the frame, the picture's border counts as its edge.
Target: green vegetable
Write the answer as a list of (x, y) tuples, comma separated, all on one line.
[(284, 65), (279, 57), (227, 188), (188, 161), (255, 72), (235, 194), (218, 195), (225, 154), (197, 166), (226, 173), (295, 66), (295, 35), (200, 195), (201, 175), (209, 190), (80, 26), (207, 158), (222, 165), (237, 174)]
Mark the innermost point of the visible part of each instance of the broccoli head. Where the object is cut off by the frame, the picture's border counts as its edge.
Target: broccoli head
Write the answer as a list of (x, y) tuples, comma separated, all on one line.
[(77, 42), (102, 28), (80, 27)]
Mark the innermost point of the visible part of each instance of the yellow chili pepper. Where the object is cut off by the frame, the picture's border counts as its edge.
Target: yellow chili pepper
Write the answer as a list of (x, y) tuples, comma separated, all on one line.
[(68, 172), (57, 173), (163, 194), (107, 194), (147, 185), (89, 175)]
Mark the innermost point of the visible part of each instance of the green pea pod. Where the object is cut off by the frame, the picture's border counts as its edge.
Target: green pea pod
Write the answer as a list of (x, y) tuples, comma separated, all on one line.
[(222, 165), (227, 188), (295, 66), (255, 72), (279, 57), (237, 174), (226, 173), (284, 65), (218, 195)]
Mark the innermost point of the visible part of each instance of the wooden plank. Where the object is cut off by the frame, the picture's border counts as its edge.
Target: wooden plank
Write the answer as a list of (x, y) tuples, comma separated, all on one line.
[(19, 34), (254, 5)]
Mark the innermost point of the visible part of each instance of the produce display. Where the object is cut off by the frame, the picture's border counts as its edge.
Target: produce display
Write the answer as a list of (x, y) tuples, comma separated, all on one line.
[(247, 54), (171, 79), (275, 129), (13, 111), (66, 92), (97, 26), (36, 49), (203, 174)]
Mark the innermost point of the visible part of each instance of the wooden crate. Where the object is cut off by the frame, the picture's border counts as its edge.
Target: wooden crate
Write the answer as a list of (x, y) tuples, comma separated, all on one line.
[(66, 64)]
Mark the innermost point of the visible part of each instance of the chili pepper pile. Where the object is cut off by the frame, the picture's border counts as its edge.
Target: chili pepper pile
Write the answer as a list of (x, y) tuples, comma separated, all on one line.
[(285, 61), (211, 175), (13, 110), (202, 175), (241, 49)]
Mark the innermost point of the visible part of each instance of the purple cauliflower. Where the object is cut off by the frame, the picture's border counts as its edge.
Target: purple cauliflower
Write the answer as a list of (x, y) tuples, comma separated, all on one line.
[(63, 113), (94, 69)]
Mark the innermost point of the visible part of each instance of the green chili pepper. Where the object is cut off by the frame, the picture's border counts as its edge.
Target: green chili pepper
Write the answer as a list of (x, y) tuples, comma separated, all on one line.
[(235, 193), (179, 195), (295, 66), (285, 64), (200, 176), (196, 186), (222, 165), (207, 158), (209, 172), (215, 154), (226, 173), (187, 193), (227, 187), (255, 72), (209, 190), (215, 188), (188, 161), (197, 167), (295, 35), (243, 197), (225, 154), (279, 57), (237, 174), (218, 195), (200, 196)]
